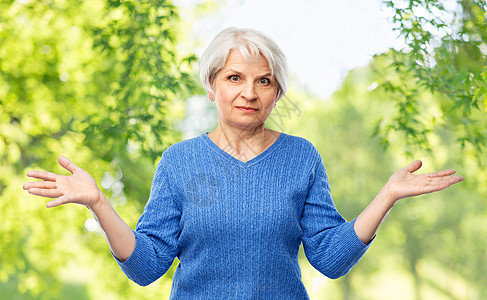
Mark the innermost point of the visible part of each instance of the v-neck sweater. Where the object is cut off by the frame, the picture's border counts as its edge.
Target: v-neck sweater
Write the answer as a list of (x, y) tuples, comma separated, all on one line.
[(236, 226)]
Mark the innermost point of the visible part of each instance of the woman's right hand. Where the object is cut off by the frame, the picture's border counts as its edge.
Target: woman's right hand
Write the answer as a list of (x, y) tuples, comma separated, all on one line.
[(79, 187)]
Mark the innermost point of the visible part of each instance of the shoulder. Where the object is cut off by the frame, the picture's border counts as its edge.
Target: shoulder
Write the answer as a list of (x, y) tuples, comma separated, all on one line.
[(181, 150), (185, 146), (300, 151), (299, 140), (302, 145)]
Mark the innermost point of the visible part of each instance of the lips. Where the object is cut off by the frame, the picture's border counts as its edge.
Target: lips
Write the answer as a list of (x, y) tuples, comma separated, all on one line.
[(247, 109)]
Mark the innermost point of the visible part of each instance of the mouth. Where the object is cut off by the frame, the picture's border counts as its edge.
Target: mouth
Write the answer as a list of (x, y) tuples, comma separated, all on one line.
[(246, 109)]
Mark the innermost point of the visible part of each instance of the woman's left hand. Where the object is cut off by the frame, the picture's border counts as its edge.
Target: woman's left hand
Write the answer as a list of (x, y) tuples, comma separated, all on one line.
[(400, 185), (404, 183)]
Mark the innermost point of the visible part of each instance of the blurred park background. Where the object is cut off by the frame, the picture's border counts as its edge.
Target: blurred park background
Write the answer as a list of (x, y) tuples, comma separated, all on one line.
[(111, 84)]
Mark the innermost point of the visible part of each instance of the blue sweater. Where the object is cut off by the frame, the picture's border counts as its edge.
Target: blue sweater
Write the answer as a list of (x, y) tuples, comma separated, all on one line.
[(236, 226)]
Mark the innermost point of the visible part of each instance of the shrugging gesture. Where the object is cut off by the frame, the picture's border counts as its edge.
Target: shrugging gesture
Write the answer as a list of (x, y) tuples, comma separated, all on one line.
[(401, 184), (245, 74), (81, 188)]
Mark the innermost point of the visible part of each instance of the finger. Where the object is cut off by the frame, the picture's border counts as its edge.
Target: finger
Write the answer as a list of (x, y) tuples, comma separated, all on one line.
[(49, 193), (441, 183), (441, 173), (445, 181), (40, 185), (67, 164), (56, 202), (42, 175), (414, 166), (456, 179)]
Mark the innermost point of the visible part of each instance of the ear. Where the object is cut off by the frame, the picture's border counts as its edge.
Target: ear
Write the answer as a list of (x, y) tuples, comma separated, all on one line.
[(276, 100), (211, 96)]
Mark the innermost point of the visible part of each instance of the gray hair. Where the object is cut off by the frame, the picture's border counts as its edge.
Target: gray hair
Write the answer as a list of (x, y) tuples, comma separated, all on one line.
[(249, 42)]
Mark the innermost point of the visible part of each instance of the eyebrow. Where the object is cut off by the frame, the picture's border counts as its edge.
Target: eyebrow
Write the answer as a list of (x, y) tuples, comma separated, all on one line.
[(268, 74)]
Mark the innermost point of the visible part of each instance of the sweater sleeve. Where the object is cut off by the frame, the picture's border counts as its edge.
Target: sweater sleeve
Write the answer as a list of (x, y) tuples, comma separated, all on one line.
[(330, 243), (156, 233)]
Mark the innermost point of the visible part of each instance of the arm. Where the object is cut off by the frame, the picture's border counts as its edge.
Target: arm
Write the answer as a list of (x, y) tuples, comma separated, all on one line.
[(334, 246), (143, 255), (81, 188), (330, 243), (401, 184)]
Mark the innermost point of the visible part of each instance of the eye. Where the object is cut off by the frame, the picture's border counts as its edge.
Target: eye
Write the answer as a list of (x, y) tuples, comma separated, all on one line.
[(264, 81), (234, 78)]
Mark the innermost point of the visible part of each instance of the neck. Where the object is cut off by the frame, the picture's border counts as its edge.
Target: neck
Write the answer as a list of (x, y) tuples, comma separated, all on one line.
[(243, 144)]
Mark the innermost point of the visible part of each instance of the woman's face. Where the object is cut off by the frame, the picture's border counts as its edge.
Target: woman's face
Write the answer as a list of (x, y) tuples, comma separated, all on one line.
[(245, 93)]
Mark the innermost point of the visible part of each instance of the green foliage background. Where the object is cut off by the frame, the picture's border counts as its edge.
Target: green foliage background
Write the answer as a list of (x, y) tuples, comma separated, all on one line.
[(99, 82), (93, 80), (430, 247)]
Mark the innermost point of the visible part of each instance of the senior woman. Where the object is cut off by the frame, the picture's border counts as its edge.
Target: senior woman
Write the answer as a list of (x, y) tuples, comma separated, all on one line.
[(235, 204)]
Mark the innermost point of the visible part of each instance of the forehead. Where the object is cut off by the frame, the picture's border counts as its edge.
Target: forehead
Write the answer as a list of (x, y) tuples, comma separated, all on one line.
[(236, 59)]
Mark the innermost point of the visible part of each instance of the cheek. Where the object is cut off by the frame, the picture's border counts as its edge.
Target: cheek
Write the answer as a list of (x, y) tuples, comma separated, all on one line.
[(270, 99), (226, 94), (269, 109)]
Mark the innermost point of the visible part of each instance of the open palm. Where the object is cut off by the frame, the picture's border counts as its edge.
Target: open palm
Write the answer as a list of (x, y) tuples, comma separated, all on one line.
[(80, 187), (404, 183)]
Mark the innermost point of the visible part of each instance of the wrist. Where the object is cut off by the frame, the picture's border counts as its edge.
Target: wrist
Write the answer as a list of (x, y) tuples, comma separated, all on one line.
[(100, 204), (387, 196)]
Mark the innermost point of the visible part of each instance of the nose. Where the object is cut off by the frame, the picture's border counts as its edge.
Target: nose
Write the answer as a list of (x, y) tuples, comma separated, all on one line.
[(248, 91)]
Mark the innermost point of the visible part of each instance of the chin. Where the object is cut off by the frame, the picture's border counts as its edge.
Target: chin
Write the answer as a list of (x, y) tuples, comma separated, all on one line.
[(246, 125)]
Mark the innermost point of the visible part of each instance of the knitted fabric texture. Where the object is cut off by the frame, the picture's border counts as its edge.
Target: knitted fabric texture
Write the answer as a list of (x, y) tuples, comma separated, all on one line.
[(236, 227)]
